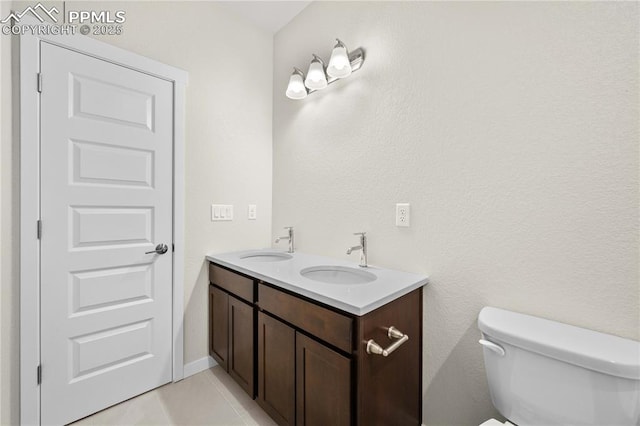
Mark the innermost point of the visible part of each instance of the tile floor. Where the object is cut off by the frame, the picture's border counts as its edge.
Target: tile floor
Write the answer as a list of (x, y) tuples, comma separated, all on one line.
[(210, 397)]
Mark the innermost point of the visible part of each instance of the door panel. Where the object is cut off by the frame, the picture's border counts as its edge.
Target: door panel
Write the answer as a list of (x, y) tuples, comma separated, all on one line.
[(106, 179), (104, 226), (95, 353), (91, 164), (108, 288), (106, 100)]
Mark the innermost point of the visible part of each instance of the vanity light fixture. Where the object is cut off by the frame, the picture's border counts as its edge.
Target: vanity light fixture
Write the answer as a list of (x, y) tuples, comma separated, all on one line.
[(339, 64), (296, 89), (316, 78), (319, 75)]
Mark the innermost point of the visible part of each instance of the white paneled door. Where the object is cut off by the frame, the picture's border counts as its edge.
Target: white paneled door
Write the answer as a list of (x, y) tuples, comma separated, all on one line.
[(106, 200)]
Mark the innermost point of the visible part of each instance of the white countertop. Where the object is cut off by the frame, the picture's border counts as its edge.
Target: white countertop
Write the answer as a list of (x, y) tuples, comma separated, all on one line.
[(357, 299)]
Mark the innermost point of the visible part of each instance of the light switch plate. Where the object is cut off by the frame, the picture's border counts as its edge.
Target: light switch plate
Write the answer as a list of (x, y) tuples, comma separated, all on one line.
[(403, 214), (221, 212)]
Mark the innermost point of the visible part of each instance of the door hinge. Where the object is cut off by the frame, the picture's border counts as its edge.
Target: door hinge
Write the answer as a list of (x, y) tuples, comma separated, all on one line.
[(39, 82), (173, 247), (39, 228), (39, 374)]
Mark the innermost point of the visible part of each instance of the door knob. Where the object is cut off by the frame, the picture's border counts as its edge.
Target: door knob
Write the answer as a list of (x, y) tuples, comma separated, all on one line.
[(160, 249)]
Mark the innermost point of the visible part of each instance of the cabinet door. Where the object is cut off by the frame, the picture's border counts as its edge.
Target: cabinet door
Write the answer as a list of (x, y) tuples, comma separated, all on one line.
[(276, 369), (240, 360), (323, 385), (219, 325)]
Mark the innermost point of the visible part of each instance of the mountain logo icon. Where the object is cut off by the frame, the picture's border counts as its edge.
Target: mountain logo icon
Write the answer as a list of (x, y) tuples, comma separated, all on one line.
[(38, 11)]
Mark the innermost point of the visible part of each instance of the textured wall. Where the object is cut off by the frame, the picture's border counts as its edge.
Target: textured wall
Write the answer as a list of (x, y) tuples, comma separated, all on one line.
[(511, 128), (228, 150)]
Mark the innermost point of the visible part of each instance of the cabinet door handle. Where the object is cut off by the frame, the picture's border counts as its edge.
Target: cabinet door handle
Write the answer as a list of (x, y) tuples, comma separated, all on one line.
[(393, 334)]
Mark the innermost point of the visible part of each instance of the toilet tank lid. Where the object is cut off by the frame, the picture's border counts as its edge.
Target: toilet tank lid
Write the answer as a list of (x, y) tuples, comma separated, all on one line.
[(590, 349)]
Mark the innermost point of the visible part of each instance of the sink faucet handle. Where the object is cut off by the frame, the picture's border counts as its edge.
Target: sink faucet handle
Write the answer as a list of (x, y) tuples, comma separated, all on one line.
[(288, 237), (362, 247)]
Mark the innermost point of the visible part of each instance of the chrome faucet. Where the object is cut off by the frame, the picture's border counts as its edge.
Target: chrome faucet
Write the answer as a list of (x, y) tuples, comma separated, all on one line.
[(362, 247), (289, 237)]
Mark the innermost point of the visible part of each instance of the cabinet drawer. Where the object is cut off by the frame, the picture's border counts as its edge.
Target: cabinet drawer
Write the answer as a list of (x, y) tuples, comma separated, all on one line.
[(234, 283), (330, 326)]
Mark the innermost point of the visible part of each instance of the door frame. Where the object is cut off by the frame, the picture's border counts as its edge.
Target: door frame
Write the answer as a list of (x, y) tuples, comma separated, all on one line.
[(29, 52)]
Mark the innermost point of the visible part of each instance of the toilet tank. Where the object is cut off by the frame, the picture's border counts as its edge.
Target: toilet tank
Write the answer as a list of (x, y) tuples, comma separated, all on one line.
[(542, 372)]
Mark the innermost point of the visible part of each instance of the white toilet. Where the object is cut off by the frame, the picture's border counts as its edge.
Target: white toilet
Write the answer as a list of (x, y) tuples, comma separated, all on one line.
[(542, 372)]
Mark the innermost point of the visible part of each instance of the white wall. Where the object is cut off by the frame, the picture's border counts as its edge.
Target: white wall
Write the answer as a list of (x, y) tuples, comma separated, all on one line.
[(228, 150), (511, 128)]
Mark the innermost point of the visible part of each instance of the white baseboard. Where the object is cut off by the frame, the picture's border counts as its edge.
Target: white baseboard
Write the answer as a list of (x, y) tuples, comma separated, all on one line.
[(198, 365)]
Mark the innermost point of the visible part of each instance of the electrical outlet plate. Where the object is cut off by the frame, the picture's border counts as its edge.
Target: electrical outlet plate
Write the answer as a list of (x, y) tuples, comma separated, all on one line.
[(403, 214), (252, 212), (221, 212)]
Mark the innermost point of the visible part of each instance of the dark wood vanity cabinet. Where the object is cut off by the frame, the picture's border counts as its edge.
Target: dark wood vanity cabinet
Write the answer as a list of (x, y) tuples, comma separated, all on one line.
[(390, 388), (232, 326), (219, 325), (301, 381), (276, 369), (310, 361), (315, 378), (240, 364), (323, 385)]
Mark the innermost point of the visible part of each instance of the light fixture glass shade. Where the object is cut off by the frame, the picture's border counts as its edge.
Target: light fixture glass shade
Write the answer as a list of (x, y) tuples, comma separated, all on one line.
[(316, 78), (339, 64), (296, 89)]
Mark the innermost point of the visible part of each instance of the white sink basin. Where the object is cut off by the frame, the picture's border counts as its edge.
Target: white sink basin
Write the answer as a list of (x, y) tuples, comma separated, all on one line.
[(262, 256), (338, 274)]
